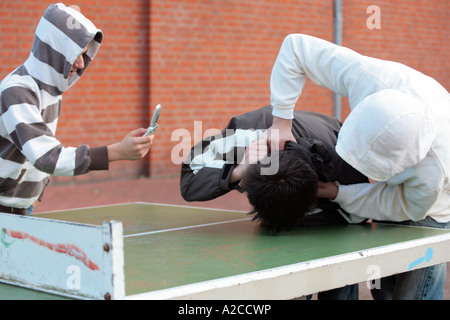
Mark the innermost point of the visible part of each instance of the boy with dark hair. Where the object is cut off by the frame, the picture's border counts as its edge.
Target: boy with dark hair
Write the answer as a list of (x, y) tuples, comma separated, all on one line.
[(281, 199), (286, 196)]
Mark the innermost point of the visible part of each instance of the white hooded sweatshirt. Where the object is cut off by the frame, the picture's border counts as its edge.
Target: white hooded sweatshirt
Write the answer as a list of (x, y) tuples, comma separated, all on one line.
[(398, 131), (30, 101)]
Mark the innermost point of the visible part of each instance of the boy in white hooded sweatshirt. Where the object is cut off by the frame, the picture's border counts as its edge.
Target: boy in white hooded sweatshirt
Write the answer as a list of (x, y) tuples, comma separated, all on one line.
[(397, 134)]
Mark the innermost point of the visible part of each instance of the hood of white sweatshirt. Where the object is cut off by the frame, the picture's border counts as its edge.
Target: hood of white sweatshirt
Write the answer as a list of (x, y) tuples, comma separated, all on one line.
[(386, 133), (61, 36)]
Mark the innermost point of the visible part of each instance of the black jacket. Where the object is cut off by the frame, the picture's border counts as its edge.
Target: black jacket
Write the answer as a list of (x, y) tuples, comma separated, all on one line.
[(205, 174)]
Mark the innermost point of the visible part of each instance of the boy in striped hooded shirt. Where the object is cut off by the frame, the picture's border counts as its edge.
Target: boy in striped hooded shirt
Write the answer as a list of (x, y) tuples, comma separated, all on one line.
[(65, 43)]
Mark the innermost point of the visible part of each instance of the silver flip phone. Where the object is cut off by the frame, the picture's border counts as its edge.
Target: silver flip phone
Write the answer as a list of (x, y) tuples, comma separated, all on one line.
[(154, 122)]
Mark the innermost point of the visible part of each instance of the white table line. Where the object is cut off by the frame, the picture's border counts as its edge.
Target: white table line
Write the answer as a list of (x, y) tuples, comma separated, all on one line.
[(183, 228)]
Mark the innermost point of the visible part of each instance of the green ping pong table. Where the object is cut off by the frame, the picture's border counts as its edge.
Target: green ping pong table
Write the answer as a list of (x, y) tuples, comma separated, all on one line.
[(154, 251)]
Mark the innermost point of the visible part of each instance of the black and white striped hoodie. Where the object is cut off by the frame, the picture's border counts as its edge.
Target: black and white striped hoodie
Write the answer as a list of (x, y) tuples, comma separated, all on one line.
[(30, 99)]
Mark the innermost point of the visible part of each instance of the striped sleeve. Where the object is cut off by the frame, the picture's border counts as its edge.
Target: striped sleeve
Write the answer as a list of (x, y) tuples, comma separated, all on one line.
[(206, 173), (29, 133)]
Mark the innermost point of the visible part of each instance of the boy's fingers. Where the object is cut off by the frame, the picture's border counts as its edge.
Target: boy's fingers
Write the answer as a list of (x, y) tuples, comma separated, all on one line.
[(138, 132)]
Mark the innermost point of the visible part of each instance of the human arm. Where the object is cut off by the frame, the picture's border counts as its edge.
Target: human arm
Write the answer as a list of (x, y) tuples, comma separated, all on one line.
[(206, 173), (407, 196), (133, 146), (383, 202), (303, 56), (203, 176), (28, 132)]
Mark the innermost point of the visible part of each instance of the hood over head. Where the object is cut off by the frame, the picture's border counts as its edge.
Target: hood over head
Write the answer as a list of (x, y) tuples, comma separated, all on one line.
[(61, 36), (386, 133)]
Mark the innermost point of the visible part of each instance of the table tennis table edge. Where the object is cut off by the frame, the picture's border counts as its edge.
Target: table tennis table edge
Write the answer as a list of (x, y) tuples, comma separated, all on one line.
[(318, 275), (276, 283), (110, 251)]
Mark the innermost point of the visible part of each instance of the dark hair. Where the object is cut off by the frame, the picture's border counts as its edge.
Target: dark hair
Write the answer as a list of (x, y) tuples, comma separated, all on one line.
[(279, 200)]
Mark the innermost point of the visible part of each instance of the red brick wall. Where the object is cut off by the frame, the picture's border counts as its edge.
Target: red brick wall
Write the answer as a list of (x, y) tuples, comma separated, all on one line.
[(209, 60), (416, 33)]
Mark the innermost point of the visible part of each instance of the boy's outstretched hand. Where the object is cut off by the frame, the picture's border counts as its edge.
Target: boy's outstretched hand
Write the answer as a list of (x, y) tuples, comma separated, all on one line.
[(133, 147)]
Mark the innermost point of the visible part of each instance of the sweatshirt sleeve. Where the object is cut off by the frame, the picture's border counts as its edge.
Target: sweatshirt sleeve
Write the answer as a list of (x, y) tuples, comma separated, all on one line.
[(301, 56), (204, 176), (407, 196), (34, 138)]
